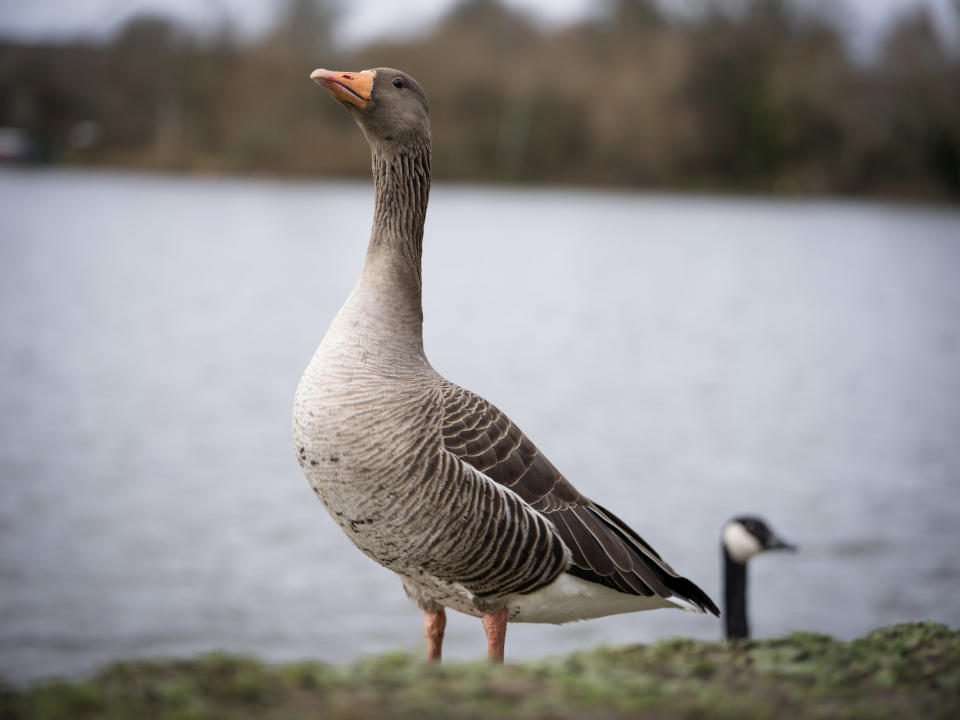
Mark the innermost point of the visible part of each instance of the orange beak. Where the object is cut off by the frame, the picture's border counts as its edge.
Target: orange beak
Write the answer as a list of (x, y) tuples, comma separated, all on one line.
[(346, 87)]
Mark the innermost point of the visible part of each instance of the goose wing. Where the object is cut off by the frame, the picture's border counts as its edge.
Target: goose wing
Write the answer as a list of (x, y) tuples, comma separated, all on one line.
[(604, 549)]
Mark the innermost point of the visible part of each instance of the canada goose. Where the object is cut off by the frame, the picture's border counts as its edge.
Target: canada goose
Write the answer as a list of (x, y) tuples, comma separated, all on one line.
[(425, 477), (741, 539)]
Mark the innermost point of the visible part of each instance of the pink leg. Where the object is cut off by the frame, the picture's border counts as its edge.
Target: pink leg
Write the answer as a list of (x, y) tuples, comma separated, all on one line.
[(495, 625), (433, 625)]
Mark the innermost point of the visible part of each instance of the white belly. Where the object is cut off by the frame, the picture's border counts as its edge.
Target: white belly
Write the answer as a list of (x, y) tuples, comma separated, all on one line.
[(569, 598)]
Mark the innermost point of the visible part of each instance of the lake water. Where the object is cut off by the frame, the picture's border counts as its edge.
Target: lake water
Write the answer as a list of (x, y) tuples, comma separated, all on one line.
[(681, 359)]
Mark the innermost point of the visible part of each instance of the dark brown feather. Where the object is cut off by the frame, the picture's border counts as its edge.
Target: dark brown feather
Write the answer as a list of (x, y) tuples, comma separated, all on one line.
[(603, 548)]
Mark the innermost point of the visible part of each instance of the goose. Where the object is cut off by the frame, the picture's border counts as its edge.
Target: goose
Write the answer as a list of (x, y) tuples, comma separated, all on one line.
[(431, 480), (741, 539)]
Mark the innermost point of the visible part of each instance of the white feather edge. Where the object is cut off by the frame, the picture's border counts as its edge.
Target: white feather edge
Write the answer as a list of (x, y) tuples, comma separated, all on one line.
[(570, 598)]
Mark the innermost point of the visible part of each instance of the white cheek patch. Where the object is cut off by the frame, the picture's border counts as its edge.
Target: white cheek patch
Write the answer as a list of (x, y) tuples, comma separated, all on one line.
[(740, 543)]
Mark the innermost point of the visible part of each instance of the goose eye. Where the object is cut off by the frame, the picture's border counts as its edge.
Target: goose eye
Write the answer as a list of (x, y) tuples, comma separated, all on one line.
[(398, 82)]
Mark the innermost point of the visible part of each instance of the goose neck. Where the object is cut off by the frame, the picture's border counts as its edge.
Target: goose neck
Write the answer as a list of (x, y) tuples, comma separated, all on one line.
[(735, 597), (401, 179), (390, 285)]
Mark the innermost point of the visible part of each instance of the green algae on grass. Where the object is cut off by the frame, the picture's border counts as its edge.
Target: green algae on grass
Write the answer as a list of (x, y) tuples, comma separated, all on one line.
[(903, 671)]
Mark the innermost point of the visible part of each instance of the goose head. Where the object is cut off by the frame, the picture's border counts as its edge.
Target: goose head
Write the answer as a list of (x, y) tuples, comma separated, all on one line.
[(389, 106), (746, 536)]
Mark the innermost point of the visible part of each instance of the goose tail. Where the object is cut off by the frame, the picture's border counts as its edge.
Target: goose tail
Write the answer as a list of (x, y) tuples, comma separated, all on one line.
[(689, 597)]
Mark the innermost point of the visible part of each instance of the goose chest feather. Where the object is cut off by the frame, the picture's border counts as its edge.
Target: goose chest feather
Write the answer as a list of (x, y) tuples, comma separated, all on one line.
[(425, 477)]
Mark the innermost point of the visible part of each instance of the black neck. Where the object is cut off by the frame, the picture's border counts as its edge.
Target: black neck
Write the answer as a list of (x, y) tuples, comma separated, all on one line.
[(735, 597)]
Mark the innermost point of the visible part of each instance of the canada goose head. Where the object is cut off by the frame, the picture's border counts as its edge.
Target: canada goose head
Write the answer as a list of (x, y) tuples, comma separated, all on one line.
[(389, 106), (746, 536)]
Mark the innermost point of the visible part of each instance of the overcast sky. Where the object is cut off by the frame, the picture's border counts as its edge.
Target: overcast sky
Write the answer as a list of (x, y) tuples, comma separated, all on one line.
[(365, 19)]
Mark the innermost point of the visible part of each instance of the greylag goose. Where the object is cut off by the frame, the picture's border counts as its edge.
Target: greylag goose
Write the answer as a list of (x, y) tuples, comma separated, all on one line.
[(425, 477), (741, 539)]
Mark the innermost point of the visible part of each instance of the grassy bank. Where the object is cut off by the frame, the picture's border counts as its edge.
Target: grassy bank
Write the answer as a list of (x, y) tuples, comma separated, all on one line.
[(903, 671)]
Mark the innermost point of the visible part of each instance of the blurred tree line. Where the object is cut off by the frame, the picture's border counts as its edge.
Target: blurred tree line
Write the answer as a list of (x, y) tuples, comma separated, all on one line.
[(756, 95)]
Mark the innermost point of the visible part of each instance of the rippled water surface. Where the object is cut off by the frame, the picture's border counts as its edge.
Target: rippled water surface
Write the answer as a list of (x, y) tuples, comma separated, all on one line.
[(681, 359)]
